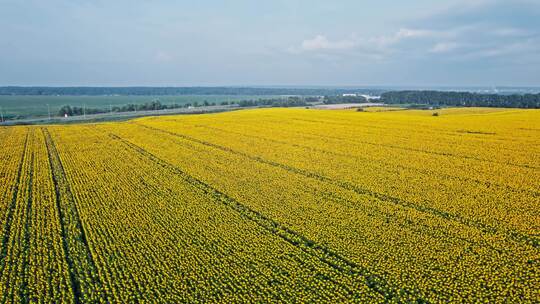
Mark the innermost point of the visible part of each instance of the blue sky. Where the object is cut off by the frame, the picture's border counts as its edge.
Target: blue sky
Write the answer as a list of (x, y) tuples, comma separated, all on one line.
[(280, 42)]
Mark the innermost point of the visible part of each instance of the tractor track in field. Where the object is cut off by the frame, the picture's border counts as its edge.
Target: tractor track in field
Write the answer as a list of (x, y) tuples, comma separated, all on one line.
[(437, 132), (426, 151), (329, 257), (413, 169), (414, 226), (11, 208), (512, 235), (74, 242), (23, 290), (22, 233)]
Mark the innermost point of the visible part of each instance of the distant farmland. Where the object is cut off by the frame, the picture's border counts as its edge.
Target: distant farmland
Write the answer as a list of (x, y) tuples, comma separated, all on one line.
[(29, 106), (274, 205)]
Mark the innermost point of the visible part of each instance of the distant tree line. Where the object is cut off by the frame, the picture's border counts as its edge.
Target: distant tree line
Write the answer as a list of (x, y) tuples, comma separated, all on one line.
[(432, 98), (464, 99), (293, 101), (149, 106), (344, 99), (71, 111), (157, 91)]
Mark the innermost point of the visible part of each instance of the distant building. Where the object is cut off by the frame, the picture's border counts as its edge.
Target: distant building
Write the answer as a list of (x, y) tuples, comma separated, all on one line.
[(350, 94)]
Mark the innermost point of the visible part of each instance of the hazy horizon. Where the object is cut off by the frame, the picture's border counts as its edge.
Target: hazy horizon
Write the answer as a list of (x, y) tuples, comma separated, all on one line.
[(420, 43)]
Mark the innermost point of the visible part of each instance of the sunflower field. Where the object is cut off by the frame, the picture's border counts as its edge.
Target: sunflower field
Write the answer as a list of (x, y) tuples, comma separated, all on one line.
[(274, 205)]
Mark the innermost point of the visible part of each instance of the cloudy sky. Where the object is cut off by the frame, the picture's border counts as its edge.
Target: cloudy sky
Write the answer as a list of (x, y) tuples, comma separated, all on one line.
[(279, 42)]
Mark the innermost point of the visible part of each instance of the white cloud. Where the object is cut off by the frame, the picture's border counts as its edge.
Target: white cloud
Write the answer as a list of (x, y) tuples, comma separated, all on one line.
[(415, 33), (444, 47), (495, 30), (527, 47), (378, 45), (511, 32), (320, 42), (465, 41)]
